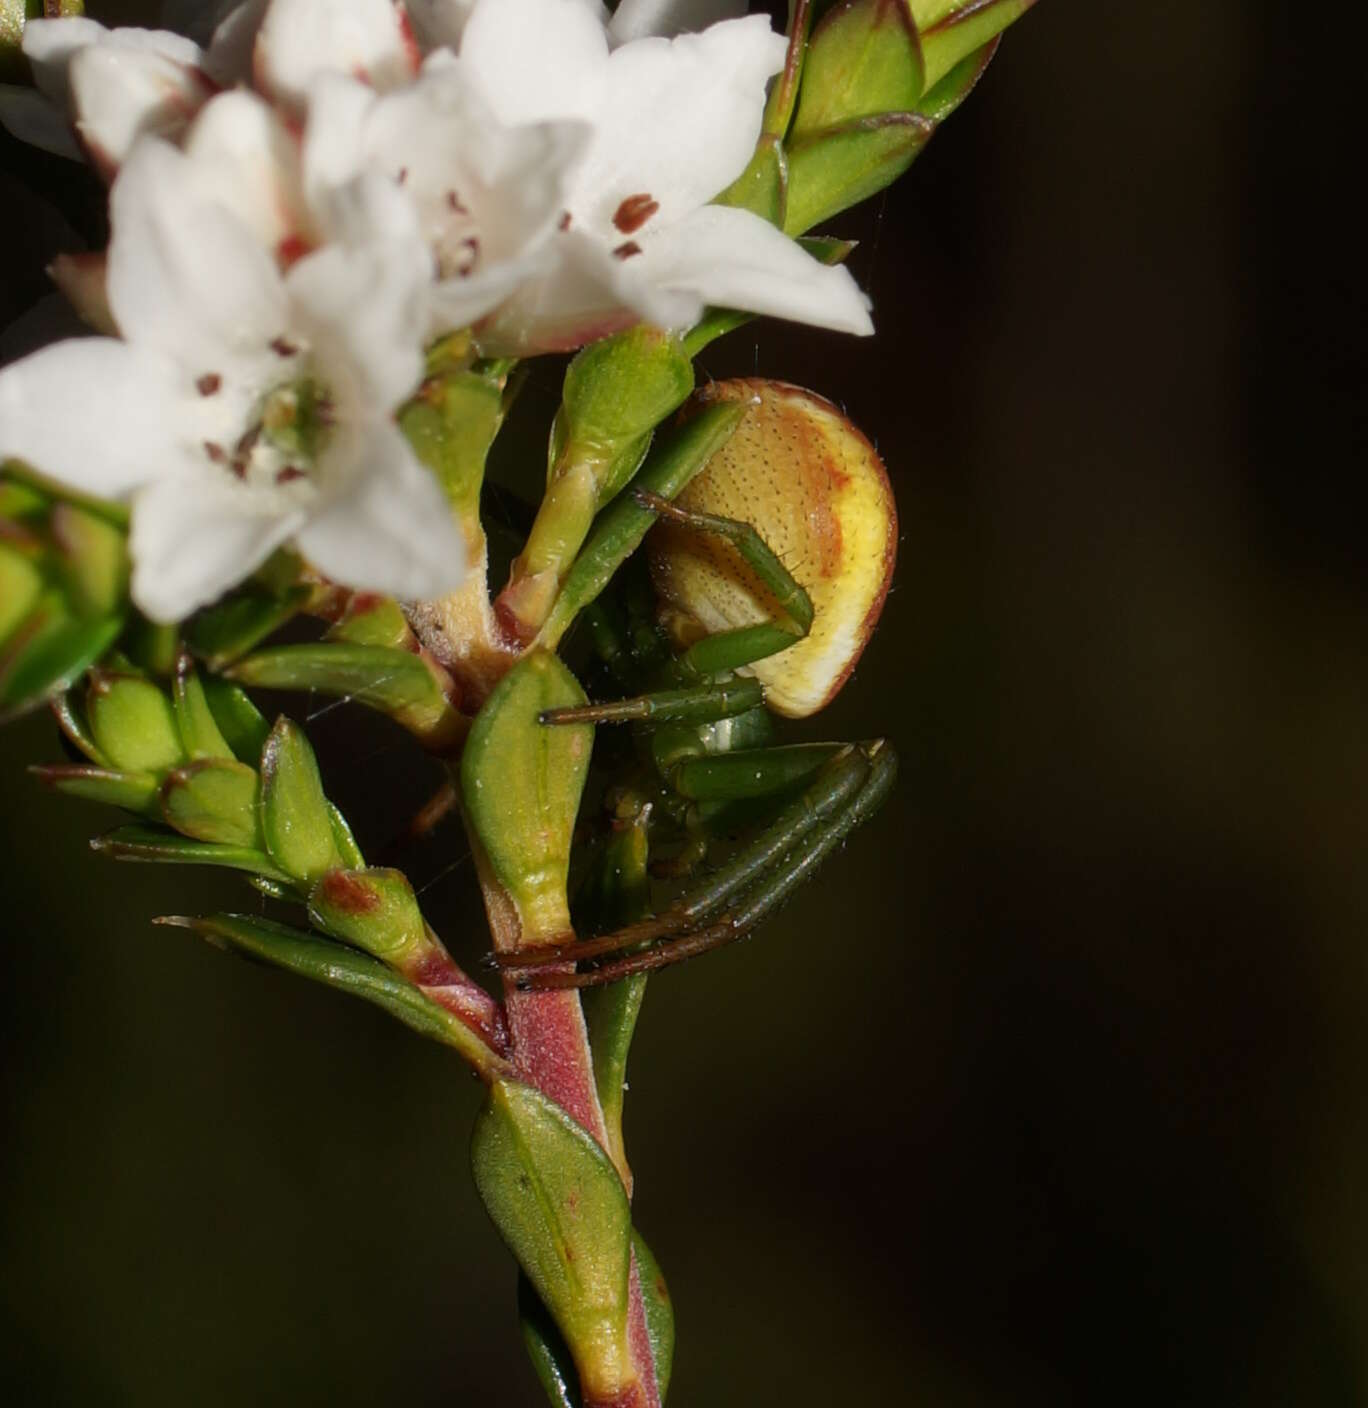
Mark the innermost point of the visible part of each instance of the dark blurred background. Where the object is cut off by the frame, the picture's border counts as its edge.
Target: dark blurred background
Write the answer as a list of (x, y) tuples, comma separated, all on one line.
[(1053, 1089)]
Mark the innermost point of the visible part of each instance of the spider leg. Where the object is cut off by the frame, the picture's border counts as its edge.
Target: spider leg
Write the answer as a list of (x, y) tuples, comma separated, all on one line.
[(847, 791)]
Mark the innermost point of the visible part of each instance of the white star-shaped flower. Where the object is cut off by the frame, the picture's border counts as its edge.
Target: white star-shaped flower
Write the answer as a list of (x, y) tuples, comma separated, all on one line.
[(245, 406), (674, 123), (488, 196)]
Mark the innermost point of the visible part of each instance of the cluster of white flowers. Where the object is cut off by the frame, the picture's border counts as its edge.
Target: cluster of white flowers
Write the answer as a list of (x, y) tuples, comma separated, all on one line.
[(300, 207)]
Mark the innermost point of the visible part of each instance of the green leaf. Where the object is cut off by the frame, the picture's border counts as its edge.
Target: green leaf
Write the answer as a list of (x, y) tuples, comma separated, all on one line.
[(521, 781), (21, 584), (295, 819), (199, 730), (390, 681), (451, 424), (841, 166), (214, 799), (550, 1356), (940, 100), (618, 893), (864, 58), (147, 843), (133, 723), (561, 1208), (226, 632), (240, 722), (762, 187), (152, 646), (374, 910), (951, 30), (345, 841), (70, 715), (133, 791), (347, 971), (372, 620), (50, 652), (92, 555), (660, 1326)]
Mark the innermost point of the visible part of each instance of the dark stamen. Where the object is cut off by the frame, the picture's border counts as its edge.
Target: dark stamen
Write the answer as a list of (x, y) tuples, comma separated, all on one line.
[(454, 203), (215, 452), (564, 223), (208, 383), (290, 473), (626, 251), (283, 347), (634, 212), (403, 174)]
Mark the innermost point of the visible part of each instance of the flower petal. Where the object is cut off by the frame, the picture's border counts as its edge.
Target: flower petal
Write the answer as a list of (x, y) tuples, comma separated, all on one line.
[(364, 310), (439, 24), (640, 19), (391, 530), (733, 259), (299, 40), (536, 59), (50, 46), (121, 89), (186, 275), (191, 539), (245, 158), (27, 114), (679, 122), (94, 413)]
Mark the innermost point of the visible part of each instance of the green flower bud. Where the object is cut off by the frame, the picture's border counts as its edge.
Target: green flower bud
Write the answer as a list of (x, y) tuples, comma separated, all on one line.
[(373, 910), (295, 818), (133, 723)]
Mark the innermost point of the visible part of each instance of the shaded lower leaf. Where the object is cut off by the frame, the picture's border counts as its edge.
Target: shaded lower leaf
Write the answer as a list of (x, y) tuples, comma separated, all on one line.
[(561, 1207), (295, 820), (133, 791), (146, 843), (199, 730), (393, 682), (240, 722), (226, 632), (344, 969), (214, 799), (49, 653)]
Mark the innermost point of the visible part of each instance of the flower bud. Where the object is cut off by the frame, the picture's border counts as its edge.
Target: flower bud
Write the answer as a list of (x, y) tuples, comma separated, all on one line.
[(14, 16), (879, 76)]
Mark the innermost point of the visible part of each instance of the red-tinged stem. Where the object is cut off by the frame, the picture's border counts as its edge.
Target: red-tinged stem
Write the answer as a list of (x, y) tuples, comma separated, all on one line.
[(444, 981), (551, 1049)]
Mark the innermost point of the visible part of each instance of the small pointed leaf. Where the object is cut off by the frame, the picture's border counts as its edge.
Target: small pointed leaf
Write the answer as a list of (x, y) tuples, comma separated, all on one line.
[(347, 971), (134, 723), (226, 632), (241, 723), (560, 1206), (50, 652), (214, 799), (93, 558), (21, 584), (295, 820), (147, 843), (390, 681), (374, 910), (133, 791), (521, 781), (199, 730)]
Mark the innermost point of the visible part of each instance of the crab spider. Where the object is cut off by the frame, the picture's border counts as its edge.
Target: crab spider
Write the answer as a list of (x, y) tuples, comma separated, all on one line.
[(721, 637)]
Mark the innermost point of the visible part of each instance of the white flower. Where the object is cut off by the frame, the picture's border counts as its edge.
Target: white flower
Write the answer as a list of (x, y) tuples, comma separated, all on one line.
[(245, 407), (105, 86), (488, 197), (675, 122), (301, 40)]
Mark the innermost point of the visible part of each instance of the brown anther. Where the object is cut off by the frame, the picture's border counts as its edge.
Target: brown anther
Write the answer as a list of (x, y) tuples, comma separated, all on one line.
[(471, 253), (209, 383), (239, 467), (283, 347), (627, 250), (403, 174), (634, 212), (563, 223), (454, 203), (215, 452), (289, 474), (247, 442)]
